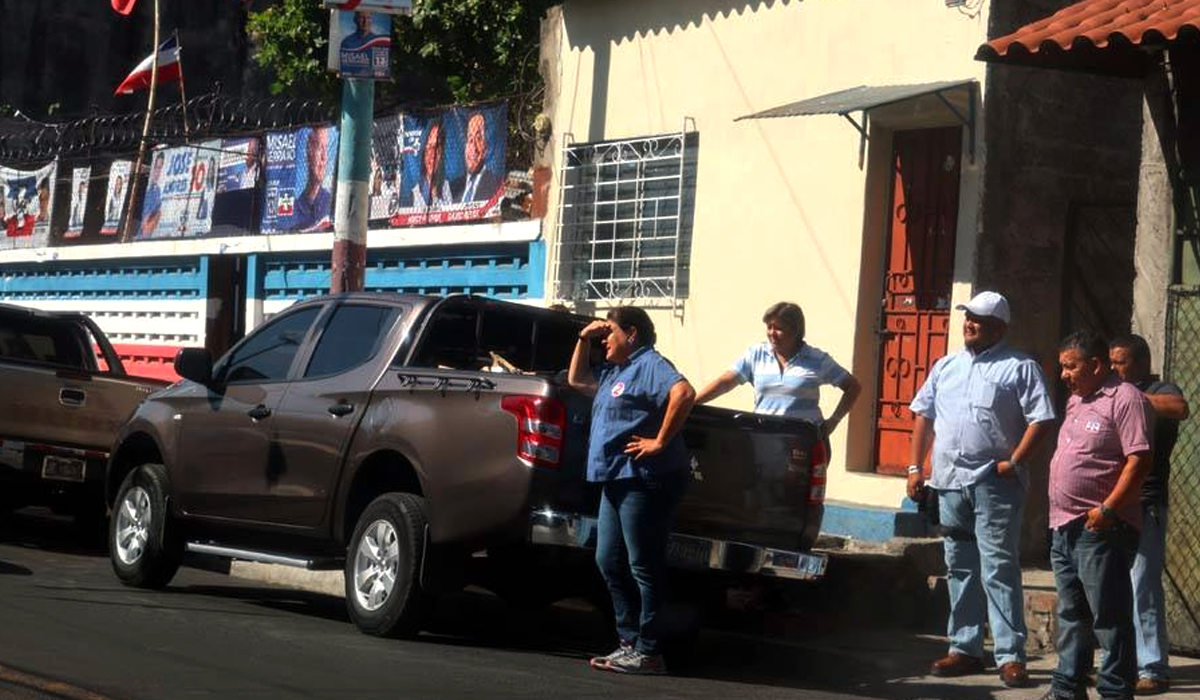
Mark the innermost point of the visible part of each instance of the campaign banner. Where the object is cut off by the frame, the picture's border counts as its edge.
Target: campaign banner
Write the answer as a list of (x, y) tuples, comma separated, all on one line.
[(299, 192), (79, 193), (385, 170), (114, 202), (238, 178), (26, 201), (394, 7), (240, 164), (179, 192), (451, 164), (360, 44)]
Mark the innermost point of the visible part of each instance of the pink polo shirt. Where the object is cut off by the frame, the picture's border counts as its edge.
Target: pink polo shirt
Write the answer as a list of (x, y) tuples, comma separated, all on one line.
[(1097, 434)]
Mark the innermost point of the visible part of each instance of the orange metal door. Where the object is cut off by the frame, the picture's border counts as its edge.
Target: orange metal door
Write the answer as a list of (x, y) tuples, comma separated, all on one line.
[(917, 281)]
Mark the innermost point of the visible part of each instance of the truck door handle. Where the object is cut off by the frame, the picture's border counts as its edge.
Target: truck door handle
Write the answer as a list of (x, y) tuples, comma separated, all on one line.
[(341, 408), (72, 397), (259, 412)]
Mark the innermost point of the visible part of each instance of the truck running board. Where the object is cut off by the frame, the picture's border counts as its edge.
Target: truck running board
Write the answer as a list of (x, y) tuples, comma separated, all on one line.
[(263, 557)]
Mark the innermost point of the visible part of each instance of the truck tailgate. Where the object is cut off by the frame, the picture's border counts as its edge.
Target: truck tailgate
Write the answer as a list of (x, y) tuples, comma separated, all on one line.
[(752, 479)]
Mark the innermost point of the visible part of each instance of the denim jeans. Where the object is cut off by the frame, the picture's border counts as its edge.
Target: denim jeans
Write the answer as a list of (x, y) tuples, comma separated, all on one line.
[(982, 526), (1148, 601), (633, 529), (1091, 573)]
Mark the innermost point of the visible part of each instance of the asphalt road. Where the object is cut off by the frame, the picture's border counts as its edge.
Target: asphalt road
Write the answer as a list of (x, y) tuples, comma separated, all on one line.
[(68, 629)]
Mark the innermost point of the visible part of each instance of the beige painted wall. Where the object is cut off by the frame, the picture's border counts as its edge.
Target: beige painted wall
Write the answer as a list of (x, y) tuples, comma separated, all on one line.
[(782, 206)]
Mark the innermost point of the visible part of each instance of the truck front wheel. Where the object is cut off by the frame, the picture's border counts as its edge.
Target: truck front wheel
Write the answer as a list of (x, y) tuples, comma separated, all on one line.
[(143, 546), (383, 566)]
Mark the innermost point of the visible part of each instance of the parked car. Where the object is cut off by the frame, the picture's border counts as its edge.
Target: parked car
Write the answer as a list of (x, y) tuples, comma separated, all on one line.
[(395, 436), (61, 410)]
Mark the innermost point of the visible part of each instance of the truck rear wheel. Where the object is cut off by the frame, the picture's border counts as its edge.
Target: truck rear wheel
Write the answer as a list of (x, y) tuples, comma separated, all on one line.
[(143, 546), (383, 566)]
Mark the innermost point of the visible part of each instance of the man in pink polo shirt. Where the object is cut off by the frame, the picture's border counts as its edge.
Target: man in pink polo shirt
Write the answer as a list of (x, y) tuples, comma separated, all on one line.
[(1096, 475)]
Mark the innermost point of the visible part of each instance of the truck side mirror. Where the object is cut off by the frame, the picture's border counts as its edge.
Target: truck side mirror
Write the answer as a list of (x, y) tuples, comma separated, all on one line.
[(194, 364)]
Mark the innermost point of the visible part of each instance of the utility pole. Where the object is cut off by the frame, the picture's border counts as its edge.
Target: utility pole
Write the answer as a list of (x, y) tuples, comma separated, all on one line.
[(353, 204)]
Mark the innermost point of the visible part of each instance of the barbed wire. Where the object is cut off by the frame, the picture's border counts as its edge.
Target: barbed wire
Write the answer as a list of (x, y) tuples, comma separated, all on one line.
[(209, 115)]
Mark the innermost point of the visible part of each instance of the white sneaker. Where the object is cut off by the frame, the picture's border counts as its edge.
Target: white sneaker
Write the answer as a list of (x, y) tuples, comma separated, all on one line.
[(604, 663)]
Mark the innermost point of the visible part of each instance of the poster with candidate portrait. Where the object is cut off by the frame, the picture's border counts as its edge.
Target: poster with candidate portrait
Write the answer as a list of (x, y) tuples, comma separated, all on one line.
[(179, 191), (360, 44), (385, 170), (298, 196), (26, 201), (238, 176), (451, 165), (114, 202), (79, 192)]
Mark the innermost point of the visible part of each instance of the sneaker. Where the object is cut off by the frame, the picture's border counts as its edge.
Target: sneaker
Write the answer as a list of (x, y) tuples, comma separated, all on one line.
[(1151, 686), (1080, 694), (640, 664), (604, 663)]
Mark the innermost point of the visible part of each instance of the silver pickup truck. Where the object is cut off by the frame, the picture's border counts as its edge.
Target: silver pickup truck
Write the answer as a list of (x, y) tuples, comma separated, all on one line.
[(60, 411), (399, 437)]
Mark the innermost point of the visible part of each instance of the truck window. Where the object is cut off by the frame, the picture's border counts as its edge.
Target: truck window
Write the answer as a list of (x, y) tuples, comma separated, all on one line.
[(267, 354), (451, 341), (41, 341), (350, 338)]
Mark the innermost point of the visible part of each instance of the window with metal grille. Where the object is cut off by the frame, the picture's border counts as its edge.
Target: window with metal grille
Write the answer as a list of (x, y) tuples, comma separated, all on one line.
[(624, 225)]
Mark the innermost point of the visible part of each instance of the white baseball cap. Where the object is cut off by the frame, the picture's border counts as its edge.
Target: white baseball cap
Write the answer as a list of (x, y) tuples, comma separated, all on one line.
[(988, 304)]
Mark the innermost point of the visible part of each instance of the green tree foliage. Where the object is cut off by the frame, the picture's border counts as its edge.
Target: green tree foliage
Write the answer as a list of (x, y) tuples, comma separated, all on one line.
[(456, 51)]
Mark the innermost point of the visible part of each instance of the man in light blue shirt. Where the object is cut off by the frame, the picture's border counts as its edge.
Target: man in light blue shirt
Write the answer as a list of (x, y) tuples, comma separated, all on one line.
[(986, 407)]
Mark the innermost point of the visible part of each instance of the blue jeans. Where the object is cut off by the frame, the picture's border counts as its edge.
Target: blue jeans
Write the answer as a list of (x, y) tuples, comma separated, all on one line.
[(982, 524), (1148, 601), (1091, 573), (633, 529)]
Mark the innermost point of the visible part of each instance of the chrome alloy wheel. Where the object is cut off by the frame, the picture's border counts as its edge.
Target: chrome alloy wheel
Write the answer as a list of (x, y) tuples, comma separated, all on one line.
[(375, 565), (134, 517)]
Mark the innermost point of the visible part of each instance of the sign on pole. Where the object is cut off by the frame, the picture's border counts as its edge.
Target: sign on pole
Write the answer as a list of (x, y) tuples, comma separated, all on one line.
[(390, 7), (360, 44)]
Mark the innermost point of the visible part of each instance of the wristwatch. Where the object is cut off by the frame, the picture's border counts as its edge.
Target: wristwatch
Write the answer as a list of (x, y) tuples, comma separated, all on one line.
[(1108, 512), (914, 469)]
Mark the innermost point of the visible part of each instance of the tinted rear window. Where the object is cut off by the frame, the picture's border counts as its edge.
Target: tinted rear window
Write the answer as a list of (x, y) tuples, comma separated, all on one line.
[(473, 335), (350, 338)]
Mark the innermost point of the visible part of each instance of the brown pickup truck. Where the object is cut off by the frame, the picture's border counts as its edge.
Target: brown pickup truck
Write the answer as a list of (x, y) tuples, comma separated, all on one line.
[(61, 411), (399, 436)]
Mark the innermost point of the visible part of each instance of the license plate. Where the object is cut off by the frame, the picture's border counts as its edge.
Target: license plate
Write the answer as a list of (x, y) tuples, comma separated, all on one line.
[(689, 552), (63, 468)]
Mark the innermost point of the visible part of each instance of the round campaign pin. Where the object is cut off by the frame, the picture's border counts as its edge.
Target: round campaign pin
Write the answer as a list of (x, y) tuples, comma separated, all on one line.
[(618, 389)]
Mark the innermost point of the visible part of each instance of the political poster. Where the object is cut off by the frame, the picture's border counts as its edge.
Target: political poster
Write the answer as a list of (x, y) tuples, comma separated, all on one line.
[(234, 211), (179, 191), (299, 192), (451, 165), (79, 194), (394, 7), (385, 170), (26, 201), (114, 202), (360, 44)]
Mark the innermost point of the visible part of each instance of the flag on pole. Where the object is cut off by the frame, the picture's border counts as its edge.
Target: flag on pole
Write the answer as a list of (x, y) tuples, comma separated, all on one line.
[(123, 6), (168, 69)]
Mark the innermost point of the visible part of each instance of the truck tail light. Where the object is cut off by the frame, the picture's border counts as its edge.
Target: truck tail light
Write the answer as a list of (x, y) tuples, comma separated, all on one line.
[(818, 462), (541, 422)]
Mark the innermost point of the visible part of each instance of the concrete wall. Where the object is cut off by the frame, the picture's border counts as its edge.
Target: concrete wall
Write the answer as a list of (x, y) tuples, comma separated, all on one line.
[(783, 209), (1056, 140)]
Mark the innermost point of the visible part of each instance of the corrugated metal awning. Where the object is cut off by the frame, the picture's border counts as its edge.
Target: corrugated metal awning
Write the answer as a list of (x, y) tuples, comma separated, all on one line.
[(857, 99), (1098, 36), (958, 96)]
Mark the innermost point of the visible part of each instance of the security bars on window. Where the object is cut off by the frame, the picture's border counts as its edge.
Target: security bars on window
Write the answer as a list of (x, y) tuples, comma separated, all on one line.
[(620, 207)]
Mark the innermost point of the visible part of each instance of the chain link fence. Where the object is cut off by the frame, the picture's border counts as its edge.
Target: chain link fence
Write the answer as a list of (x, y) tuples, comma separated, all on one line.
[(1182, 577)]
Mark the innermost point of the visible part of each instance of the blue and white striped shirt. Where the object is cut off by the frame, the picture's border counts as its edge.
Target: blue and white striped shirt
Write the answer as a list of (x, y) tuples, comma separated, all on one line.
[(796, 391)]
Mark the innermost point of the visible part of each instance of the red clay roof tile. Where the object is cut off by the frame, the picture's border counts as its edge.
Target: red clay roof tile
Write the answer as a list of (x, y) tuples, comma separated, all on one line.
[(1097, 24)]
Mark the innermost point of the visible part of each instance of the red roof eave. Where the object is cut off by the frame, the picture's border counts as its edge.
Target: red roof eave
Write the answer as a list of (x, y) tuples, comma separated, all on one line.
[(1096, 26)]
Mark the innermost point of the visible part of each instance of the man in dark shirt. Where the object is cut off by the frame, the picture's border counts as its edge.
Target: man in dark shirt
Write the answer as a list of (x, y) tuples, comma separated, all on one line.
[(1130, 357)]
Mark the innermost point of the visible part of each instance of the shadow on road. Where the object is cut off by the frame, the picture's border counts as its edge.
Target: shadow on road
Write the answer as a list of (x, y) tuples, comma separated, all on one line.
[(41, 529)]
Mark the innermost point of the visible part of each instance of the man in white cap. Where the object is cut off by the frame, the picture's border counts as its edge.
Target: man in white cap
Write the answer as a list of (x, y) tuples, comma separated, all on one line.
[(986, 407)]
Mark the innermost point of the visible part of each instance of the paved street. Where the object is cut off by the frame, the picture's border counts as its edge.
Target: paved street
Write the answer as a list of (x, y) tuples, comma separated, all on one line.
[(66, 620)]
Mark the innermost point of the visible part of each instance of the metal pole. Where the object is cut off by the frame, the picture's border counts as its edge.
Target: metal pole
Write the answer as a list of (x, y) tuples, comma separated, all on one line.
[(187, 132), (353, 202), (134, 199)]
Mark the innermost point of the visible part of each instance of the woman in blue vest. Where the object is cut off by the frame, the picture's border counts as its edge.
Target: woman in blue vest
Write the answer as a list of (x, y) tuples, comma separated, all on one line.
[(636, 453)]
